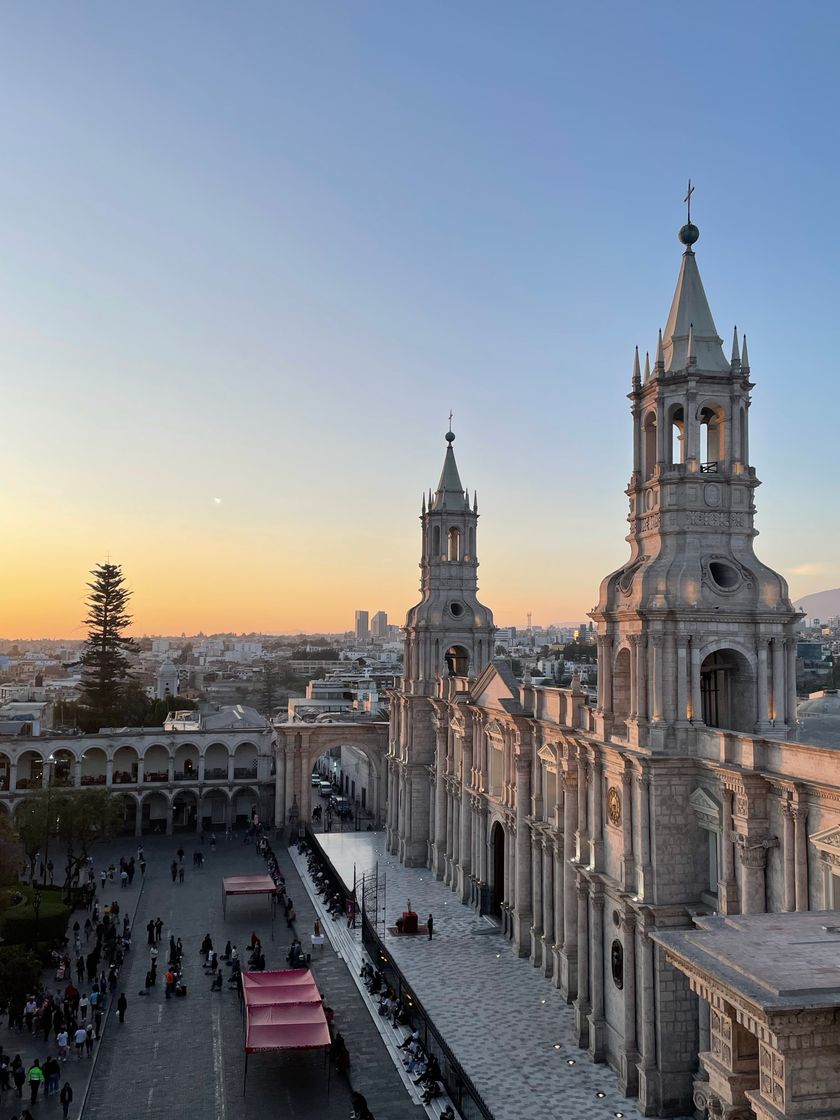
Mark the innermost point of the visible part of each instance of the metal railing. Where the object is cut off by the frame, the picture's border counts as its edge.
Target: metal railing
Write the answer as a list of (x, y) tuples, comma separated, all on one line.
[(458, 1085)]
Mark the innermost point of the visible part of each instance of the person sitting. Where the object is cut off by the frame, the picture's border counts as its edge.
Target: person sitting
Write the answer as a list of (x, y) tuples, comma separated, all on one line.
[(448, 1113), (206, 945), (216, 986), (414, 1037), (435, 1089)]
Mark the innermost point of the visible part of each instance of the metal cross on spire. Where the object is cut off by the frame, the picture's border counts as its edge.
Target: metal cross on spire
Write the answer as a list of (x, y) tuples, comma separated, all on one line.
[(450, 419), (687, 200)]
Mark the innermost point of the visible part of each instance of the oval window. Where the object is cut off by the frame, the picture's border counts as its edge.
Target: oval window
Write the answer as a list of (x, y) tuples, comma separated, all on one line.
[(724, 575), (457, 609)]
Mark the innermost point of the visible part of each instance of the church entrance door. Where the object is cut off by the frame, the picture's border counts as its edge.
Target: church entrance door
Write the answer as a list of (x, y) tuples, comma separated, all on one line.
[(497, 840)]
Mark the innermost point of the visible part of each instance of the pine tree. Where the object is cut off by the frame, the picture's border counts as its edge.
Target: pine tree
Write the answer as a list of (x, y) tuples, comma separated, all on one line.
[(104, 661)]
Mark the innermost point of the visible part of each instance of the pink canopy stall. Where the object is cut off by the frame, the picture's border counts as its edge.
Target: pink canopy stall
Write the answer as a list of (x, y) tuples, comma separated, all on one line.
[(239, 885), (283, 1011)]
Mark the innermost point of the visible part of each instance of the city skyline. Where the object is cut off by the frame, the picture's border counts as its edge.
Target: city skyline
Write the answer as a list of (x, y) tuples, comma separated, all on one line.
[(243, 287)]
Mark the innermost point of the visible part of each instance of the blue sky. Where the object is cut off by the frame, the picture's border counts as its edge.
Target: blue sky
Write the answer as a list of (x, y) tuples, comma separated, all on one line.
[(252, 255)]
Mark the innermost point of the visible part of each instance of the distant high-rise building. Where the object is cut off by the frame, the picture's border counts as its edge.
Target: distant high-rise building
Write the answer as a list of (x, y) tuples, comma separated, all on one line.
[(379, 625), (362, 628)]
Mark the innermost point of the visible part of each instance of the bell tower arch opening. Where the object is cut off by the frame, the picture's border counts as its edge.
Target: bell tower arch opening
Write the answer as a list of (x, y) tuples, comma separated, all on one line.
[(727, 691), (457, 661)]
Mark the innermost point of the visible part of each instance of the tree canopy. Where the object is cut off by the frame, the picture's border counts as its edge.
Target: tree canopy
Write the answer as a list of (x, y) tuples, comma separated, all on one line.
[(104, 660)]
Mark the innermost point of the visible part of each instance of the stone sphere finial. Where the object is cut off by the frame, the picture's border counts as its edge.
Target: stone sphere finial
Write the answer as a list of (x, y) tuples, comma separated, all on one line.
[(450, 437), (689, 234)]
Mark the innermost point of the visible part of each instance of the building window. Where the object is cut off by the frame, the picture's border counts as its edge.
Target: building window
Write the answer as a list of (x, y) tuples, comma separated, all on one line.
[(454, 543), (714, 873)]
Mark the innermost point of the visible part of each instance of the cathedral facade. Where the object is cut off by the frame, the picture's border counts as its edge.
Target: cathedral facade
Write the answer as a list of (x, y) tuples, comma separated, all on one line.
[(586, 828)]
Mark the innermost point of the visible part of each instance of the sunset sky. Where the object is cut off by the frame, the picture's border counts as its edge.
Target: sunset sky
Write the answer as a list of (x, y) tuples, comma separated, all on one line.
[(251, 255)]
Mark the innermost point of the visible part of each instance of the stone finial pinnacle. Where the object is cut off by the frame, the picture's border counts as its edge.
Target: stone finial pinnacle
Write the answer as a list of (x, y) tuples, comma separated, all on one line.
[(475, 501), (647, 367), (690, 356), (660, 353), (423, 509), (637, 373), (745, 358), (735, 360)]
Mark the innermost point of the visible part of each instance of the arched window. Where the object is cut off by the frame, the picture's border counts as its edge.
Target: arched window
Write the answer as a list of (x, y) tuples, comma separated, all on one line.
[(711, 439), (454, 544), (677, 436), (436, 542), (621, 685), (649, 444), (471, 544), (457, 661), (727, 691)]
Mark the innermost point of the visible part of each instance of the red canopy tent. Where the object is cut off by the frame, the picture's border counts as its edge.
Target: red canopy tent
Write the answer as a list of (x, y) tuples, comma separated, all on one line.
[(283, 1011)]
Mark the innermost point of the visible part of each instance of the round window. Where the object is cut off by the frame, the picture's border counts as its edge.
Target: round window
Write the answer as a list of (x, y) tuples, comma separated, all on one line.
[(724, 575), (457, 609)]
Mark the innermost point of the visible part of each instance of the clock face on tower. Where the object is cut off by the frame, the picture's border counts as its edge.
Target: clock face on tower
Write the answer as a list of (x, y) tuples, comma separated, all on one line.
[(614, 805)]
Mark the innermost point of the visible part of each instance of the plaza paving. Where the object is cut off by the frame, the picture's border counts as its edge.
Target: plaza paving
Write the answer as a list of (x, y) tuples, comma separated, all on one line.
[(185, 1056), (509, 1027)]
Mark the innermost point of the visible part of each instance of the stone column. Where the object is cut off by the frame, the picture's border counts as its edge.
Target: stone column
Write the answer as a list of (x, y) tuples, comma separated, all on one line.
[(640, 651), (582, 834), (696, 695), (547, 905), (789, 858), (201, 767), (644, 876), (649, 1093), (800, 816), (280, 787), (790, 684), (582, 1006), (465, 864), (558, 893), (536, 901), (605, 689), (763, 709), (168, 817), (628, 870), (597, 1023), (448, 844), (667, 671), (778, 710), (596, 822), (140, 770), (628, 1072), (568, 955), (657, 677), (523, 856), (440, 814), (682, 679), (109, 772), (482, 842), (634, 674), (727, 887), (753, 864)]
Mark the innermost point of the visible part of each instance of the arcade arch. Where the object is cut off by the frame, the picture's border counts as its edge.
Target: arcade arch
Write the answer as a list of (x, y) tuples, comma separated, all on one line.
[(216, 763), (126, 762)]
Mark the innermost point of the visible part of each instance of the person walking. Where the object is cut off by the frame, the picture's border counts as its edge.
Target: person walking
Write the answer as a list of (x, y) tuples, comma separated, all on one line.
[(79, 1038), (158, 929), (122, 1004), (36, 1076), (173, 870), (150, 931), (181, 873), (66, 1099), (430, 925)]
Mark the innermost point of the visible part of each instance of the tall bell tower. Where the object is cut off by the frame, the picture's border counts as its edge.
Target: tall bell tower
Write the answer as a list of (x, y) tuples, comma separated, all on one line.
[(693, 631), (448, 634)]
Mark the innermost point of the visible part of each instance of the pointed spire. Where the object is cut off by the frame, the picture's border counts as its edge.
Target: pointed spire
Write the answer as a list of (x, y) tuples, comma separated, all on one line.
[(660, 354), (745, 359), (424, 502), (735, 360), (467, 496), (637, 373), (690, 355), (690, 307), (647, 367), (475, 501), (450, 492)]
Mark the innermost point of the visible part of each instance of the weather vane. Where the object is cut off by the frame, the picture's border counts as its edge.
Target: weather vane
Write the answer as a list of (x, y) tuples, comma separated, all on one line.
[(687, 200)]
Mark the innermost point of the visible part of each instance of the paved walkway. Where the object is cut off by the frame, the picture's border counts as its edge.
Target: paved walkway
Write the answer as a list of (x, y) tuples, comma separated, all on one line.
[(185, 1056), (509, 1027)]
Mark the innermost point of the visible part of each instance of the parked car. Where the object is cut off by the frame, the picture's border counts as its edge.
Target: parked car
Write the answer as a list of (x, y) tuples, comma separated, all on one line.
[(343, 808), (325, 789), (316, 779)]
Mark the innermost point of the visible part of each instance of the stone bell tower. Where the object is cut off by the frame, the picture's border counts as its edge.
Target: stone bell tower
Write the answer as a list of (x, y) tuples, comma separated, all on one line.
[(448, 634), (694, 631)]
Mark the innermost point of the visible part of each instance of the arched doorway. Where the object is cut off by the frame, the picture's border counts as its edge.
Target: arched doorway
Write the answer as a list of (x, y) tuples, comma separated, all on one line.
[(185, 811), (497, 894), (214, 811), (153, 810), (130, 812), (727, 691)]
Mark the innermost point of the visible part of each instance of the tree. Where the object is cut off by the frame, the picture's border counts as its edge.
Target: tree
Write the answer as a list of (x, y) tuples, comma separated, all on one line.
[(11, 852), (104, 661), (85, 817), (32, 819), (20, 973)]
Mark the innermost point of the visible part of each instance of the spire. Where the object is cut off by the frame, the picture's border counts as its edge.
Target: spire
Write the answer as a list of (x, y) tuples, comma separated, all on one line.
[(691, 308), (690, 355), (647, 367), (423, 510), (735, 360), (745, 359), (637, 373), (450, 492), (475, 501), (660, 354), (467, 496)]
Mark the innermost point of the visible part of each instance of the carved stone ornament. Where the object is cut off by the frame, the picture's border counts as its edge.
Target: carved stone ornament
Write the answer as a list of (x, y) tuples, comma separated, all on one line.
[(614, 805)]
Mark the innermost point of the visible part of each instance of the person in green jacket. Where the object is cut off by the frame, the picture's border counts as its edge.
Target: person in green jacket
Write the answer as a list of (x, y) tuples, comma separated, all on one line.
[(36, 1076)]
